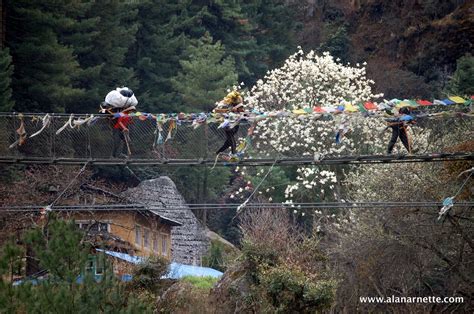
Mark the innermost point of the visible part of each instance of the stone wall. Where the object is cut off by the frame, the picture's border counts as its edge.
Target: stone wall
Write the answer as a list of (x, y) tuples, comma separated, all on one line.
[(188, 242)]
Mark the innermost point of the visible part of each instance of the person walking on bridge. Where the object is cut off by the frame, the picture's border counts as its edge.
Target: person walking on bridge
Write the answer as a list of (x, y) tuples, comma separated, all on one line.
[(232, 103), (399, 127)]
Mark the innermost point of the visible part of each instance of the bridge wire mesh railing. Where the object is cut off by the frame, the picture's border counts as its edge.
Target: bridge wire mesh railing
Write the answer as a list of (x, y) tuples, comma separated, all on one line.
[(97, 141)]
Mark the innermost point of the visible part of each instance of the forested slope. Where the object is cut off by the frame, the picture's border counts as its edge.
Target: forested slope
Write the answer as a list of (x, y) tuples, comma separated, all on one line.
[(182, 56)]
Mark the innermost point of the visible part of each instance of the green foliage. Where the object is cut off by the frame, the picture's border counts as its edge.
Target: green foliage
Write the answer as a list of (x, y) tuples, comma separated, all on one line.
[(206, 73), (147, 275), (275, 184), (337, 43), (462, 81), (219, 256), (291, 290), (284, 269), (43, 65), (60, 251), (101, 40), (215, 256), (256, 254), (156, 63), (205, 283), (67, 56), (6, 71), (11, 261), (57, 249), (274, 27), (226, 22)]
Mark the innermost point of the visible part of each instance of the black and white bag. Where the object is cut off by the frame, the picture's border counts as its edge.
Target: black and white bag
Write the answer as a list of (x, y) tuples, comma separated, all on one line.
[(121, 98)]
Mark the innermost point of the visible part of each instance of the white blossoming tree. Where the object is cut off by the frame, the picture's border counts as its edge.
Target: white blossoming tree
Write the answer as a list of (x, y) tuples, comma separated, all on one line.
[(305, 81)]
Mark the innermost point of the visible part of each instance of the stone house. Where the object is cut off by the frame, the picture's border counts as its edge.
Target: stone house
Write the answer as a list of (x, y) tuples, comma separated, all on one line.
[(189, 242)]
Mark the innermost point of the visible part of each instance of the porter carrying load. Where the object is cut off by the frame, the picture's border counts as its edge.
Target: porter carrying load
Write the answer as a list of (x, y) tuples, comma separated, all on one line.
[(119, 100)]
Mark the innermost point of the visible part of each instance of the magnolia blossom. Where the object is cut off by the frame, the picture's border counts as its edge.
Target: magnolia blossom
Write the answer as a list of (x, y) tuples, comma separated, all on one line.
[(308, 80)]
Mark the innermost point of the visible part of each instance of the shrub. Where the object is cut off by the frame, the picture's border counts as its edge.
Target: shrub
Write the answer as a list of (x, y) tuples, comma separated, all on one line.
[(291, 290), (147, 275), (204, 283)]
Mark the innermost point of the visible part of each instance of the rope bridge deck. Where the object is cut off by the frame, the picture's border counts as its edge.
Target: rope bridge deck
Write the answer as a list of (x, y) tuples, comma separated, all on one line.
[(94, 142), (363, 159)]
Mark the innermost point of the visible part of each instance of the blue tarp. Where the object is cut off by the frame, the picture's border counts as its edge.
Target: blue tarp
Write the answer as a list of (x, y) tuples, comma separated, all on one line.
[(125, 257), (177, 270)]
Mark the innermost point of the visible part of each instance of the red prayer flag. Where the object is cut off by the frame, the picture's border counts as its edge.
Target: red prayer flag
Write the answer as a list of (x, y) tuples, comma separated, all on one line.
[(370, 106), (424, 102), (318, 110)]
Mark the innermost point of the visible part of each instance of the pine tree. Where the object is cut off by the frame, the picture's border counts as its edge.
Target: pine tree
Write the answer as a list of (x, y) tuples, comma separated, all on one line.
[(6, 71), (206, 73), (61, 252), (81, 35), (258, 34), (337, 44), (274, 28), (155, 56), (226, 22), (101, 39), (462, 81), (42, 79)]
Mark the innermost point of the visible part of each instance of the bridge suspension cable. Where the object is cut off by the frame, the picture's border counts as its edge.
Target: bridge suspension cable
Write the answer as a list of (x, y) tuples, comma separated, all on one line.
[(159, 206)]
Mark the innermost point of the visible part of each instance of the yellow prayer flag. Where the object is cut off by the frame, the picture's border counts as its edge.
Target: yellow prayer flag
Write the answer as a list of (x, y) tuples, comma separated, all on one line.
[(350, 108), (402, 104), (299, 111), (457, 99)]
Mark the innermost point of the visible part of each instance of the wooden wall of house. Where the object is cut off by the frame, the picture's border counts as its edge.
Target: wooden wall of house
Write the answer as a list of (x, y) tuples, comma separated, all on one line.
[(121, 267), (124, 224)]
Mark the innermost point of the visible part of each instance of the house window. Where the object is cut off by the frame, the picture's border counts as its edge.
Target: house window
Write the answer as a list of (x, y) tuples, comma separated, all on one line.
[(164, 244), (99, 265), (93, 227), (90, 265), (100, 227), (146, 238), (84, 226), (138, 236), (155, 243), (95, 265)]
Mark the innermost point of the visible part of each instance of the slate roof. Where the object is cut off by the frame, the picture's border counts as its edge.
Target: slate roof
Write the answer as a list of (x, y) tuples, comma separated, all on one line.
[(189, 241)]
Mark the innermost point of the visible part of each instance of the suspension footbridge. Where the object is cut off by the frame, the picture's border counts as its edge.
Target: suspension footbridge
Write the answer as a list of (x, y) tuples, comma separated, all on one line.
[(77, 139)]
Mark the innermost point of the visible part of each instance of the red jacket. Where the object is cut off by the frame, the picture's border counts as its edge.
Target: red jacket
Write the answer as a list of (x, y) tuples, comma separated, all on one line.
[(123, 123)]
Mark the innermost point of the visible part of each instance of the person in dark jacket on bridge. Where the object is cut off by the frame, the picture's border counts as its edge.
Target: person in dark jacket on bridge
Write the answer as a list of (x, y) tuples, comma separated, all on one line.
[(233, 102), (399, 130)]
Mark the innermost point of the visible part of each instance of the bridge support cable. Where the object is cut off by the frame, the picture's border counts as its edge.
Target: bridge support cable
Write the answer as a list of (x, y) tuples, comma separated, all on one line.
[(159, 206), (282, 161)]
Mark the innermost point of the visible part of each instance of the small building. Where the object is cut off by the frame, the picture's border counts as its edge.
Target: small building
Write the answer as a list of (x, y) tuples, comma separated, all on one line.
[(135, 231), (189, 241), (139, 232)]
